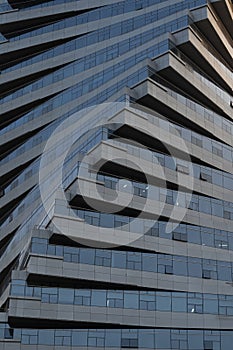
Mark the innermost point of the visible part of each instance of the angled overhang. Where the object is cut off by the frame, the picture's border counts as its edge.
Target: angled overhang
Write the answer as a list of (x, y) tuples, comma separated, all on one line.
[(185, 77), (224, 10), (211, 27), (197, 50)]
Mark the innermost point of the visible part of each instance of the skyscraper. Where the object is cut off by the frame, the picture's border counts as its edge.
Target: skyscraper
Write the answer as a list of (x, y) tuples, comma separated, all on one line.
[(116, 174)]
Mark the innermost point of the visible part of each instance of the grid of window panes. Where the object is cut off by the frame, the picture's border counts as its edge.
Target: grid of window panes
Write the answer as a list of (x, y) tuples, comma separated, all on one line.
[(129, 299), (180, 339), (203, 204), (151, 262), (204, 236)]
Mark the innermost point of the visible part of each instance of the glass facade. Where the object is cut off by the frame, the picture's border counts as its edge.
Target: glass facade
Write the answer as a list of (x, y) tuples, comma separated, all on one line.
[(120, 339), (164, 142)]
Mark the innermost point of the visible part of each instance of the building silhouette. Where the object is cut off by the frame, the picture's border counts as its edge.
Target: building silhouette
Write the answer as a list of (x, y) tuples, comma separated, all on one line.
[(116, 174)]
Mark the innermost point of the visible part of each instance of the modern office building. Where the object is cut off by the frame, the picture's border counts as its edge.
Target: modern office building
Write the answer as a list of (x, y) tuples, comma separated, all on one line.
[(116, 174)]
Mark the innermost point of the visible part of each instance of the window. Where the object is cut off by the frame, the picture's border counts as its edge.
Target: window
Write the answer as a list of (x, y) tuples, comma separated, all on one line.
[(205, 177), (9, 333), (180, 265), (115, 299), (221, 244), (177, 236), (208, 345), (131, 300), (98, 298), (194, 267), (141, 192), (193, 205), (87, 256), (92, 220), (149, 263), (163, 301), (206, 274), (163, 339), (134, 261), (110, 183), (227, 215), (153, 231), (138, 5), (195, 340), (217, 151), (46, 337), (129, 343), (195, 308), (210, 306), (66, 296), (169, 198), (118, 260), (160, 160), (196, 141), (179, 302), (168, 270), (227, 181), (82, 297), (224, 271)]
